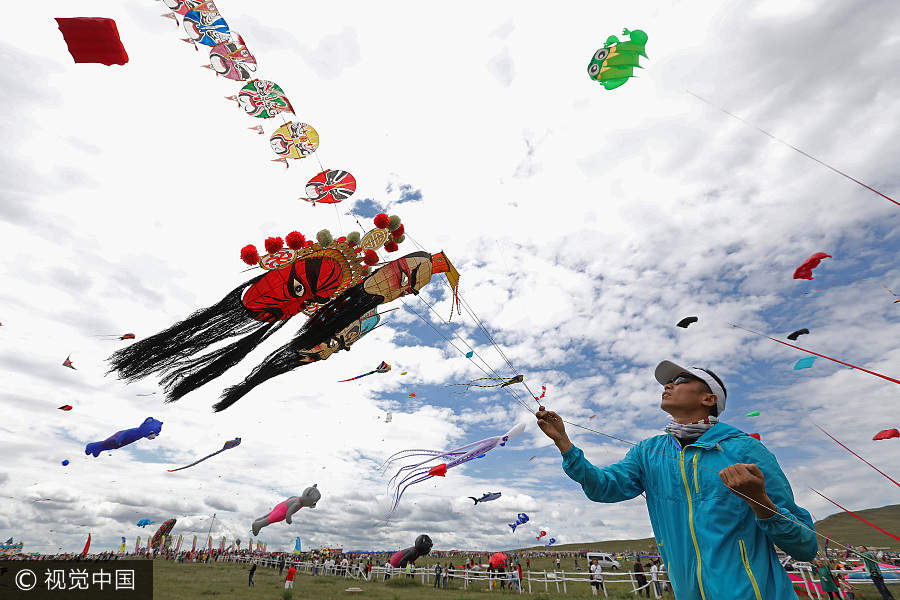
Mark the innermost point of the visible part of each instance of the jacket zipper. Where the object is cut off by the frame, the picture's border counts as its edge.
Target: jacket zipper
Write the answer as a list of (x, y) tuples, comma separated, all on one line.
[(746, 562), (696, 484), (687, 490)]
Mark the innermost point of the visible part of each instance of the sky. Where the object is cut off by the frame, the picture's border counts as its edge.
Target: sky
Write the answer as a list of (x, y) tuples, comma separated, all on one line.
[(584, 223)]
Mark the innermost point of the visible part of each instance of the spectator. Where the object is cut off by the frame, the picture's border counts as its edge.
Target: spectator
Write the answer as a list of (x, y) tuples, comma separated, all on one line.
[(753, 498), (437, 575), (596, 577), (826, 579), (557, 563), (519, 571), (527, 562), (874, 572), (448, 573), (654, 576), (280, 565), (252, 571), (845, 586), (289, 580), (640, 578)]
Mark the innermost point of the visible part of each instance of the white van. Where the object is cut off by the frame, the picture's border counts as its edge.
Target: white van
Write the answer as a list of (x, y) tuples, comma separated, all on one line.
[(604, 559)]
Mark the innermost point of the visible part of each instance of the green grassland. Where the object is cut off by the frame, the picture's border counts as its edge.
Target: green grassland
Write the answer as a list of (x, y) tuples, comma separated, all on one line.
[(846, 528)]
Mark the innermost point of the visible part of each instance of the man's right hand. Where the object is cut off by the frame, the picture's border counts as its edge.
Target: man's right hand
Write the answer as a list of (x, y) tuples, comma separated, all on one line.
[(552, 426)]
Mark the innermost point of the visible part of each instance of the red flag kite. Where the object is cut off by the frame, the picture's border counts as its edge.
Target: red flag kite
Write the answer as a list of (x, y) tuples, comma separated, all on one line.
[(887, 434), (87, 546), (438, 470), (804, 271), (93, 40), (65, 407), (754, 435)]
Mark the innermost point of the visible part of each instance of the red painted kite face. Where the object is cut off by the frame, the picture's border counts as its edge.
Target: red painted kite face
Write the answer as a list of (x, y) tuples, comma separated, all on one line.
[(280, 294)]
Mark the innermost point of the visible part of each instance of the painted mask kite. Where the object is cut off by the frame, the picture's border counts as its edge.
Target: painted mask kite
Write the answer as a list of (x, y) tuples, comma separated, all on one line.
[(232, 60), (614, 63), (149, 429), (420, 471), (228, 445), (283, 511), (263, 99), (204, 25), (330, 186)]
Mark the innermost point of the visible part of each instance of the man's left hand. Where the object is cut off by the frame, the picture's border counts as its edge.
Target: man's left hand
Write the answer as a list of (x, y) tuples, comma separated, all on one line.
[(748, 482)]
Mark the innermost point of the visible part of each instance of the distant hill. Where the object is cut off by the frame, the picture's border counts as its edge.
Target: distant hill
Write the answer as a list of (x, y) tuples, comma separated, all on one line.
[(840, 527)]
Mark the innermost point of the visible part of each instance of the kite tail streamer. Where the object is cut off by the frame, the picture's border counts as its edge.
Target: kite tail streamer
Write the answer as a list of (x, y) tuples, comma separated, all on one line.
[(856, 515), (199, 331), (857, 455), (282, 361), (820, 355), (193, 373)]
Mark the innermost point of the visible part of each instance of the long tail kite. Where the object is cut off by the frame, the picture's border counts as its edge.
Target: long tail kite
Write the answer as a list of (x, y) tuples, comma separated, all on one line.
[(228, 445), (840, 362), (809, 156), (857, 455), (382, 368), (856, 515)]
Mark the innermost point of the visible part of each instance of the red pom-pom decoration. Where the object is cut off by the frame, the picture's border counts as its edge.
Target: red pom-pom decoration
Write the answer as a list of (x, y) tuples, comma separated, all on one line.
[(398, 232), (371, 258), (295, 240), (382, 221), (274, 244), (341, 240), (391, 246), (249, 255)]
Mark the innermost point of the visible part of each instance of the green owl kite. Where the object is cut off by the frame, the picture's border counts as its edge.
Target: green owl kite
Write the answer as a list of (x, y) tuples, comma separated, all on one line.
[(614, 63)]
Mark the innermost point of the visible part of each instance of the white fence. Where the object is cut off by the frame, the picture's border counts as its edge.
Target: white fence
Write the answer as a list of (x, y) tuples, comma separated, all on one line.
[(532, 580)]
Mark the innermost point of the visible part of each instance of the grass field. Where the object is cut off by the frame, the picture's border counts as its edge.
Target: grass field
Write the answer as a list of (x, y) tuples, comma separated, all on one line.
[(228, 581)]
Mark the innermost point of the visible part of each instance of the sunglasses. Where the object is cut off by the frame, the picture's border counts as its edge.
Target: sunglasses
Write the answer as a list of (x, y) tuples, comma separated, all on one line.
[(681, 379)]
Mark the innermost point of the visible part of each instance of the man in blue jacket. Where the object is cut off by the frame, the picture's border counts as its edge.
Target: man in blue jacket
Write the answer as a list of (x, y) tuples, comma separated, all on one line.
[(717, 498)]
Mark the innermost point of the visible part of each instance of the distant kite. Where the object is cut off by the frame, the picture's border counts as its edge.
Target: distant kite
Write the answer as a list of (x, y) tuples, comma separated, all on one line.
[(754, 435), (382, 368), (754, 413), (65, 463), (887, 434), (496, 382), (388, 417), (804, 271), (228, 445), (686, 321), (543, 393), (412, 395), (804, 363), (93, 40), (614, 63), (521, 519), (68, 363), (66, 407), (470, 354), (486, 497), (149, 429), (793, 336)]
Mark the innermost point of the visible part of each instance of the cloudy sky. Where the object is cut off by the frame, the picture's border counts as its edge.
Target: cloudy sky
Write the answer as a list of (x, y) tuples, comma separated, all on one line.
[(585, 223)]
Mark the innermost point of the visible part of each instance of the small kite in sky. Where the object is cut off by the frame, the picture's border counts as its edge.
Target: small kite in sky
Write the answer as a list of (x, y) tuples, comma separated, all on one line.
[(521, 519), (470, 354), (686, 321), (65, 463), (382, 368), (68, 363), (805, 270), (149, 429), (283, 511), (532, 458), (124, 336), (418, 472), (794, 335), (388, 417), (591, 417), (887, 434), (66, 407), (754, 435), (804, 363), (228, 445), (93, 40), (541, 534), (754, 413), (412, 395), (404, 372), (486, 497), (550, 542), (841, 444), (498, 382), (144, 522), (614, 63)]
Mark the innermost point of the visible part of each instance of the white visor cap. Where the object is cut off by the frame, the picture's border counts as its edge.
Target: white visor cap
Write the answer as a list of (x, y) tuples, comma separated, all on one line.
[(667, 371)]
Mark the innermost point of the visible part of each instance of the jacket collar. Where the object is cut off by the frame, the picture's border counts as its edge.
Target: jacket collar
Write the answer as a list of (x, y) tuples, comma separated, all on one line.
[(714, 435)]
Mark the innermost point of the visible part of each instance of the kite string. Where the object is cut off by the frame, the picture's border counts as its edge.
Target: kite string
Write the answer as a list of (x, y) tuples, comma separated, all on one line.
[(824, 164), (856, 455), (817, 354)]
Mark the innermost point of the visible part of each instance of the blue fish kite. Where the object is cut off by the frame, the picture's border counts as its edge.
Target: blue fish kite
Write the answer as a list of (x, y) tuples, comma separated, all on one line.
[(228, 445), (149, 429), (550, 542), (521, 519), (804, 363), (487, 497), (144, 522)]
